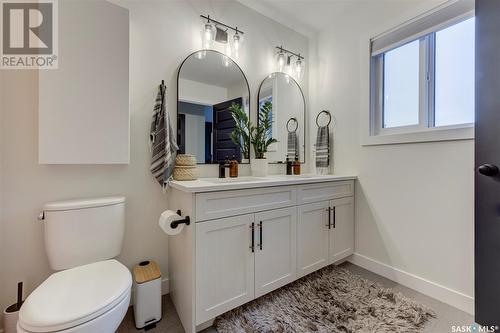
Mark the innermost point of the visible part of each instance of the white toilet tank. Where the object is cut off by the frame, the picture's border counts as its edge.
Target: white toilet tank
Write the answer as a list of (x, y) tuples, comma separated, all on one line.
[(79, 232)]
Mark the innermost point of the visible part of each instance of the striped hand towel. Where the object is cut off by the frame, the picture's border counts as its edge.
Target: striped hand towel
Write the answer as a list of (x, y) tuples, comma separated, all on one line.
[(292, 146), (323, 150), (162, 140)]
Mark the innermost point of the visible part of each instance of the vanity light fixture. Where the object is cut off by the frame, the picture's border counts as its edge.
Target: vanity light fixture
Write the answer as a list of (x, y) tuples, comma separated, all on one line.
[(285, 65), (209, 36)]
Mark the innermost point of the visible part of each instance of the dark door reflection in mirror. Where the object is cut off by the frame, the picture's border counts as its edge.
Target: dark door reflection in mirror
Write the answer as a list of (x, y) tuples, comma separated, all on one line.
[(208, 84), (287, 117)]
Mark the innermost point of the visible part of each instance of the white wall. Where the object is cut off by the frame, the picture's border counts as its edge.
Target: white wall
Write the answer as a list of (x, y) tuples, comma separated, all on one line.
[(414, 202), (162, 35), (2, 231)]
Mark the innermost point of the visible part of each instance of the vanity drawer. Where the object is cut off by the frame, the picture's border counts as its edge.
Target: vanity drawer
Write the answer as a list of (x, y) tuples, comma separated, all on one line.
[(215, 205), (324, 191)]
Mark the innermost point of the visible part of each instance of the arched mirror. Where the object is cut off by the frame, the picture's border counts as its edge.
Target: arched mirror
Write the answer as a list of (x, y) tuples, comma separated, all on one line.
[(288, 117), (209, 84)]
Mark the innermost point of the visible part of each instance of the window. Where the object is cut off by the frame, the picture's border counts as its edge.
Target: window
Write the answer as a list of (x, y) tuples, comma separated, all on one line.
[(454, 75), (422, 76), (401, 80)]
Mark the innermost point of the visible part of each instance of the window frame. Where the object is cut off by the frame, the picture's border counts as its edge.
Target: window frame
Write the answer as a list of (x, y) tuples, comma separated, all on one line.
[(425, 130)]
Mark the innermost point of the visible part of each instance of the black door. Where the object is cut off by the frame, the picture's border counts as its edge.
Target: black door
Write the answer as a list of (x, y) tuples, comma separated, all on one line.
[(223, 126), (487, 158), (181, 133)]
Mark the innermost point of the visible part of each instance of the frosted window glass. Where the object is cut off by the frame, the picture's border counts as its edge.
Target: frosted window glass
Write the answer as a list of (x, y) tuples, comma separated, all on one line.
[(454, 86), (401, 82)]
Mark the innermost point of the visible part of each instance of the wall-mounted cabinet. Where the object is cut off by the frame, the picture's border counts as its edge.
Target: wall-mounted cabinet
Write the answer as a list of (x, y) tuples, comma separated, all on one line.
[(84, 104)]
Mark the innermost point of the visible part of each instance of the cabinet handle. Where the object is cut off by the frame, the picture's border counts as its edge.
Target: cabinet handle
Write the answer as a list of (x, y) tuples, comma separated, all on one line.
[(334, 217), (329, 217), (252, 227), (260, 235)]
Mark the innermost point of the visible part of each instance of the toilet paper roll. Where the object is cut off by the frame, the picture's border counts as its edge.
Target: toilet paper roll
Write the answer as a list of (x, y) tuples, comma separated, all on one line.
[(166, 218)]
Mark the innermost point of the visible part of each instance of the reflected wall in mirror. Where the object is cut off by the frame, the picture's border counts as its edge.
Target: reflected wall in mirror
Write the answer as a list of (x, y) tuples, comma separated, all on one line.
[(208, 84), (287, 116)]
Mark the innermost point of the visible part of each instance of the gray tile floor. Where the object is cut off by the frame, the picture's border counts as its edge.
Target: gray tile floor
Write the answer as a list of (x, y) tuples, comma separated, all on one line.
[(446, 315)]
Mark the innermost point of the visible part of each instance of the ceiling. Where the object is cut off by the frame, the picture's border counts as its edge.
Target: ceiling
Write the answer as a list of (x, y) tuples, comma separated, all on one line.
[(210, 70), (312, 16)]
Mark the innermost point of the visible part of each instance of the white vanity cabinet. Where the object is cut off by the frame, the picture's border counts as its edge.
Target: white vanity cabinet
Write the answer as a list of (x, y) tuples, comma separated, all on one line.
[(248, 240)]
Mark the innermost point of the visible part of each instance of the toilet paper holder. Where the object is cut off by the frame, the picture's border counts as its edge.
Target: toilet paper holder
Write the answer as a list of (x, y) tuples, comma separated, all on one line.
[(185, 220)]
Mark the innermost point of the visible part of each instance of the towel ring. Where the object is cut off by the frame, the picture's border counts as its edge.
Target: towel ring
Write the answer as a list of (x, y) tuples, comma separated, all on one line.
[(296, 125), (329, 117)]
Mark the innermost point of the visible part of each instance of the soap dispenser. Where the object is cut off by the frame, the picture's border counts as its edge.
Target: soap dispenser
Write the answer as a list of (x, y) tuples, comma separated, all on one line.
[(296, 166), (289, 167), (233, 167)]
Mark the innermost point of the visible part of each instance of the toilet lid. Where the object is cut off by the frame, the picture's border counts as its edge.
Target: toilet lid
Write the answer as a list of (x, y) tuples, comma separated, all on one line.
[(71, 297)]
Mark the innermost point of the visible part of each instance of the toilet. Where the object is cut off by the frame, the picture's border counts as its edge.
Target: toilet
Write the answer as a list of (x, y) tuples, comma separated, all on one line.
[(90, 292)]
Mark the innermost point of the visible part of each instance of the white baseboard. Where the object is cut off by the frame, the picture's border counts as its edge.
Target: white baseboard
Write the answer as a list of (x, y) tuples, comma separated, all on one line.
[(424, 286), (165, 289)]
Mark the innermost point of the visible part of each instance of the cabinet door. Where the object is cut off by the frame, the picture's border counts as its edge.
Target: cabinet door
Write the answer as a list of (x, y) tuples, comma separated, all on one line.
[(275, 250), (224, 265), (312, 237), (342, 231)]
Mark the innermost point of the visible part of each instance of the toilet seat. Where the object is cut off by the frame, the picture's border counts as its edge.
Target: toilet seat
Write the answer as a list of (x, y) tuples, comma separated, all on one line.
[(75, 296)]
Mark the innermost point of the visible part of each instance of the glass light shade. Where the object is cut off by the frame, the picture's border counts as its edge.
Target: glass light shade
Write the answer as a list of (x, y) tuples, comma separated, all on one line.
[(288, 66), (236, 44), (299, 68), (208, 35), (280, 60)]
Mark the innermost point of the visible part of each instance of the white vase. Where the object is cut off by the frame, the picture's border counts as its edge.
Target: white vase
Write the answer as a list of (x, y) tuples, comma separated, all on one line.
[(259, 167)]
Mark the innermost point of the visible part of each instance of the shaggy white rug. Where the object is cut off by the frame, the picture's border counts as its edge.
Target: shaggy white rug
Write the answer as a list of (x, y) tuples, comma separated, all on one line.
[(329, 300)]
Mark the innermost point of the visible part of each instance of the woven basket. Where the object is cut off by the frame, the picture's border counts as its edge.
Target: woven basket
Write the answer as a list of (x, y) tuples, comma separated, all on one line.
[(185, 172), (185, 160)]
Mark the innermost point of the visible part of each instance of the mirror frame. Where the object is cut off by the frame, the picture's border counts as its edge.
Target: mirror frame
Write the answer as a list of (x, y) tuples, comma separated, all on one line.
[(305, 111), (249, 98)]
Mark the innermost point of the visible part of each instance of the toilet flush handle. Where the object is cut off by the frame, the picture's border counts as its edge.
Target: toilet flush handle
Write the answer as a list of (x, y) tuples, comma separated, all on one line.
[(41, 216)]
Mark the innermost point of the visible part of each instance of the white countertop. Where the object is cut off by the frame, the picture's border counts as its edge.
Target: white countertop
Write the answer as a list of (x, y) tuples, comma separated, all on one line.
[(246, 182)]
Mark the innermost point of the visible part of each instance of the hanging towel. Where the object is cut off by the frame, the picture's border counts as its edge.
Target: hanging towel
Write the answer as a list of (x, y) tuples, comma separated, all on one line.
[(292, 146), (162, 141), (323, 150)]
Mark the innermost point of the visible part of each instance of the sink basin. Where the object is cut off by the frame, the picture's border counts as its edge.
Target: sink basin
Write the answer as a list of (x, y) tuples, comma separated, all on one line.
[(234, 180)]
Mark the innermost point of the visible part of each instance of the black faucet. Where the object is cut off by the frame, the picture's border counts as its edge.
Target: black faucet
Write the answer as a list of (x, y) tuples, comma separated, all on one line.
[(222, 168)]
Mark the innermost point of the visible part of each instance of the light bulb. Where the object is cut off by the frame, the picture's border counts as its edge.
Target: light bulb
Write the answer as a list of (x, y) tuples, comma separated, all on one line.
[(208, 36), (281, 61), (299, 68), (228, 49)]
